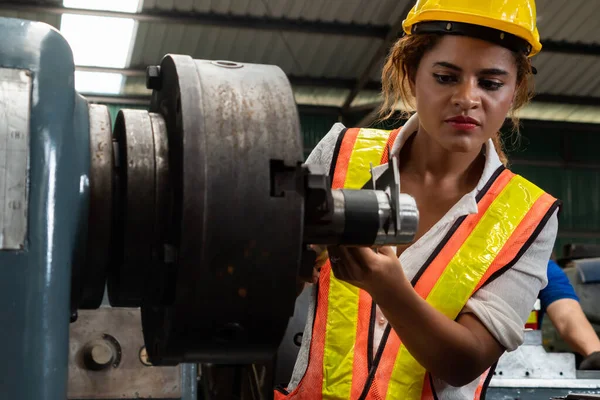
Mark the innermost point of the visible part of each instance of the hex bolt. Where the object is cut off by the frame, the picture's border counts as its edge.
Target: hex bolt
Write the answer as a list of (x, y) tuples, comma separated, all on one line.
[(153, 79)]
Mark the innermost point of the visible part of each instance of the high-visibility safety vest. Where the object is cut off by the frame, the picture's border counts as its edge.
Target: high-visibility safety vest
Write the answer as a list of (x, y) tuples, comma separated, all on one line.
[(477, 249)]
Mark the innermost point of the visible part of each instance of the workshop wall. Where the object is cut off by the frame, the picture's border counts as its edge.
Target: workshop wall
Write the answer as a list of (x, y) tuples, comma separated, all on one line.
[(562, 158)]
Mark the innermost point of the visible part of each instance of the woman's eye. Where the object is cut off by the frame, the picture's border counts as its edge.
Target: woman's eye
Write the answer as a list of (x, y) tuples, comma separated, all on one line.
[(444, 79), (490, 85)]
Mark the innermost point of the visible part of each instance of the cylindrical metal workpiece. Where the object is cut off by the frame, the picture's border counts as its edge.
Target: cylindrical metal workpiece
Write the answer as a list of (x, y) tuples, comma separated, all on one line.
[(365, 218)]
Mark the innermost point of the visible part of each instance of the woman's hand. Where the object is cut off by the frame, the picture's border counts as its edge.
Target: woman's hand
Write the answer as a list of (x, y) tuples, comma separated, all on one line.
[(365, 268)]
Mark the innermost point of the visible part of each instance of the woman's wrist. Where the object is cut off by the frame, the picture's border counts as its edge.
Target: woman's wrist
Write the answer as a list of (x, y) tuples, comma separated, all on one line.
[(390, 289)]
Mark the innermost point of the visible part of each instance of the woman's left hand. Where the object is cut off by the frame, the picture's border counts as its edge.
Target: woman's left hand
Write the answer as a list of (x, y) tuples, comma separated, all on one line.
[(365, 268)]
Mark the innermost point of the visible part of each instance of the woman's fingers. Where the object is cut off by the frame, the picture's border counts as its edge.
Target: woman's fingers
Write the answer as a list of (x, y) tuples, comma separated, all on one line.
[(344, 264), (388, 251), (364, 257), (337, 261)]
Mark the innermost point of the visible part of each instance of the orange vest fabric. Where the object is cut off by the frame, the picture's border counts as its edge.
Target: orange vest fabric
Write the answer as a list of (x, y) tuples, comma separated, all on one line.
[(512, 212)]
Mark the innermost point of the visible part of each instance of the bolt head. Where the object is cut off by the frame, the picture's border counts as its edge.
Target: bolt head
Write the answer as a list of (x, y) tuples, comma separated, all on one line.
[(153, 80)]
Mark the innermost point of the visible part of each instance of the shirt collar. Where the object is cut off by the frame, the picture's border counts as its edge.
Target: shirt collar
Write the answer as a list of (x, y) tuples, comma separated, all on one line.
[(468, 203)]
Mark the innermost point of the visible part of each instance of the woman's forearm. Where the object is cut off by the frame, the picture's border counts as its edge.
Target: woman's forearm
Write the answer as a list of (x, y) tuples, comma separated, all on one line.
[(456, 352)]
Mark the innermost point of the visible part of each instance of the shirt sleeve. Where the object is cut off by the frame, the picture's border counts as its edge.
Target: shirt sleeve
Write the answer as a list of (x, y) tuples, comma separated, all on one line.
[(504, 304), (558, 287)]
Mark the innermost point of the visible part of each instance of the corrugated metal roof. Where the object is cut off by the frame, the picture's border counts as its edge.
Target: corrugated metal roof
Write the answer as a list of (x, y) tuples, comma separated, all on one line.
[(43, 2), (576, 75), (299, 54), (573, 21), (51, 19), (378, 12), (315, 55), (569, 20)]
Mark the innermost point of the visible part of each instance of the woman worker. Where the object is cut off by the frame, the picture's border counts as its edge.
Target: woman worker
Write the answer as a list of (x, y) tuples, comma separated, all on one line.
[(430, 319)]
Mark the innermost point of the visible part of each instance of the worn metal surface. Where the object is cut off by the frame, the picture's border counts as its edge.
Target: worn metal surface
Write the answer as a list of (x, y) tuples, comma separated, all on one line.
[(233, 284), (92, 276), (530, 372), (163, 254), (189, 381), (135, 208), (15, 96), (534, 393), (554, 383), (35, 281), (128, 378), (531, 362)]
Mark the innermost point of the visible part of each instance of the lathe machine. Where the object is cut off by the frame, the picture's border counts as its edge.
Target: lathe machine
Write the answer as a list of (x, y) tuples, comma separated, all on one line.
[(195, 215), (139, 259)]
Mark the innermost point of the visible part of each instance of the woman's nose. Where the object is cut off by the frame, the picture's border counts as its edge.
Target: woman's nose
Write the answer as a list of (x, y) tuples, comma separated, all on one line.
[(467, 96)]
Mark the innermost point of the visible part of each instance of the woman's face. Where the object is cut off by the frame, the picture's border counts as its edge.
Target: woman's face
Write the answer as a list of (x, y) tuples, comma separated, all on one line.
[(464, 88)]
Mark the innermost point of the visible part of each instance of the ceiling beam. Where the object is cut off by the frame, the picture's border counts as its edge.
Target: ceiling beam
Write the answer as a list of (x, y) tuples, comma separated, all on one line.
[(567, 99), (214, 19), (564, 47)]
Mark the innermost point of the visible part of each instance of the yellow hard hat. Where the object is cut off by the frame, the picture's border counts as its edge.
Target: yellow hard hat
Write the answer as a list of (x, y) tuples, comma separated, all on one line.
[(511, 23)]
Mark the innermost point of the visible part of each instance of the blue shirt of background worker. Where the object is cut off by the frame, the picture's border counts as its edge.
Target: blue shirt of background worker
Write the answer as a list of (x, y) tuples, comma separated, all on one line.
[(558, 288)]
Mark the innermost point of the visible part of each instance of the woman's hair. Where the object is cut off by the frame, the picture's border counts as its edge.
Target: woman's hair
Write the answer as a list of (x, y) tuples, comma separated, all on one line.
[(401, 67)]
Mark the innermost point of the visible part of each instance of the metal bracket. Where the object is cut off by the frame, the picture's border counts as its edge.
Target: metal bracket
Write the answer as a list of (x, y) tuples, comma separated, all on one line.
[(394, 191)]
